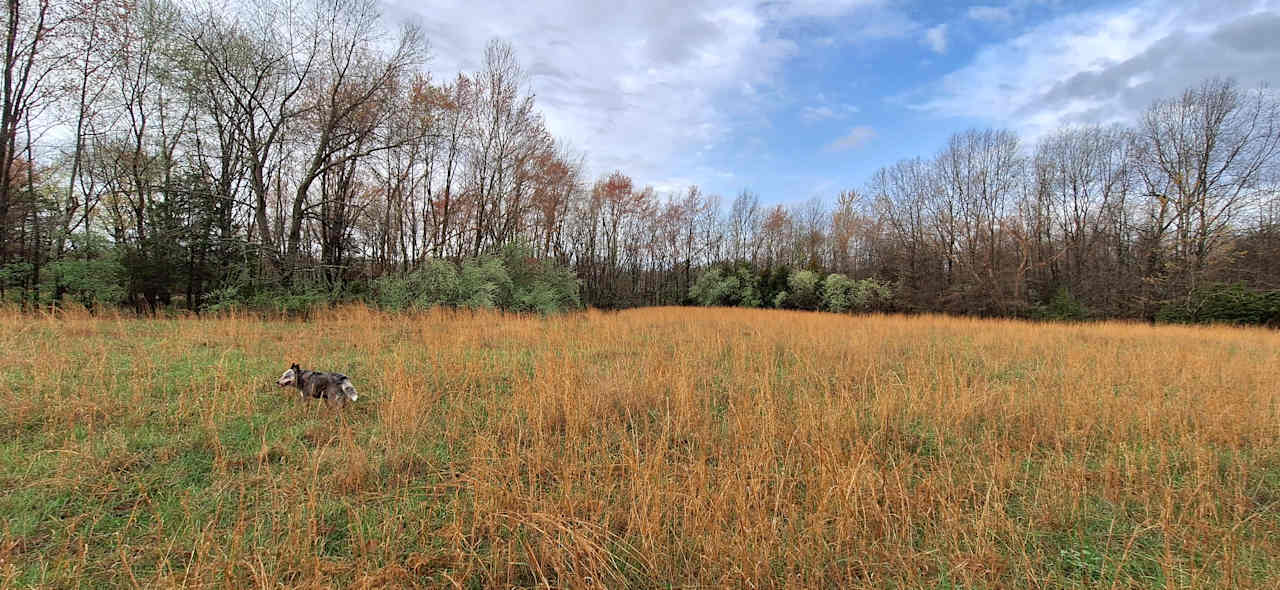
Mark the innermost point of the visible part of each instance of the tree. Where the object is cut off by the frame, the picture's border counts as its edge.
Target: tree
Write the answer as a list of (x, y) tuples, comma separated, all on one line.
[(30, 35), (1076, 213), (744, 226), (347, 99), (979, 175), (1204, 158), (92, 25), (904, 194)]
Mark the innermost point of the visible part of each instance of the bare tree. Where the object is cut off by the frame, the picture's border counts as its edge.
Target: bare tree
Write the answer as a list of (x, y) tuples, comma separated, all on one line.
[(347, 98), (257, 64), (30, 62), (1205, 158), (1081, 185), (903, 195), (980, 173), (744, 226), (93, 25)]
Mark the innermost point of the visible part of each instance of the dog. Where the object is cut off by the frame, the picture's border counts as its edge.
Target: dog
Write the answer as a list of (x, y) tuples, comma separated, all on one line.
[(335, 388)]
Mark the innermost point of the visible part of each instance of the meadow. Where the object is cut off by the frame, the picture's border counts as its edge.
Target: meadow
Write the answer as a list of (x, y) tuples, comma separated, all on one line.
[(650, 448)]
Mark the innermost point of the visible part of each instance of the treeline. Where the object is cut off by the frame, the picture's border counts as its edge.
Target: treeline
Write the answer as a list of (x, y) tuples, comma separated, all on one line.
[(1176, 218), (166, 153), (740, 285), (157, 153)]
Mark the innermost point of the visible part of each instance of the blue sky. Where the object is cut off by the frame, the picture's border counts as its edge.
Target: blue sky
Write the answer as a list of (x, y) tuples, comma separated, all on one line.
[(800, 98)]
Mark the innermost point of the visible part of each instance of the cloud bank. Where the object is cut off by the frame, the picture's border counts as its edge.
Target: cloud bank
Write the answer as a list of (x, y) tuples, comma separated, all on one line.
[(648, 87), (1108, 65)]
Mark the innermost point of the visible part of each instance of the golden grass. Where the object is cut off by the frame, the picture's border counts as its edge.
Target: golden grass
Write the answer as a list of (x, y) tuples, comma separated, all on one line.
[(647, 448)]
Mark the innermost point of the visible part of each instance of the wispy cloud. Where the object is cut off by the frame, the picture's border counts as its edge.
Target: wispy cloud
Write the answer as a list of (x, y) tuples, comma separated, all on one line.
[(1106, 65), (856, 138), (935, 38), (990, 14), (644, 87), (826, 110)]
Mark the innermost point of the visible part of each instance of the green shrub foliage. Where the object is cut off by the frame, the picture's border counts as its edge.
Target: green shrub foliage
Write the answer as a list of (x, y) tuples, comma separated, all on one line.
[(841, 294), (1062, 307), (733, 286), (803, 290), (741, 286), (1227, 304), (511, 280)]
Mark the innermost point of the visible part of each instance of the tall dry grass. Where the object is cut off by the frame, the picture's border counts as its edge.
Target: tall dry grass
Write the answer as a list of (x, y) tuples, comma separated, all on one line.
[(647, 448)]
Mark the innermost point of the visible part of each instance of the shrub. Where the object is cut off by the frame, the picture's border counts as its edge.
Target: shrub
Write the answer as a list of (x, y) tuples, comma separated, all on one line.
[(836, 293), (780, 299), (708, 288), (434, 283), (841, 294), (1062, 307), (1222, 303), (88, 282), (803, 289), (511, 280), (732, 286), (870, 294), (484, 284), (15, 274), (551, 290), (393, 292), (772, 283), (278, 300), (538, 286)]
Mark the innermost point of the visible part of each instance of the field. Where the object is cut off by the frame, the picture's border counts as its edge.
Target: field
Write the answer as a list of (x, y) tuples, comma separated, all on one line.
[(649, 448)]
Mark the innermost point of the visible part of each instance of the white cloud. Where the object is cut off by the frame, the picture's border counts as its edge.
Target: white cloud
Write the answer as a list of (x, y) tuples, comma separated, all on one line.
[(642, 87), (935, 38), (856, 138), (1107, 65), (819, 113), (826, 110), (990, 14)]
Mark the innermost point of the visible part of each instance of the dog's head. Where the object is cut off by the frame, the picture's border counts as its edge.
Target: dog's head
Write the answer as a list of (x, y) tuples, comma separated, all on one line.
[(289, 377)]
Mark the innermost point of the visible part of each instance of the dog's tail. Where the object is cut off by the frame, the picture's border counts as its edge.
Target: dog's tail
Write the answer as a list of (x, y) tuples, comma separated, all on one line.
[(349, 390)]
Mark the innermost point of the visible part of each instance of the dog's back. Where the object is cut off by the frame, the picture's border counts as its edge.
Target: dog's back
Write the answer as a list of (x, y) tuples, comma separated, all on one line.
[(335, 388)]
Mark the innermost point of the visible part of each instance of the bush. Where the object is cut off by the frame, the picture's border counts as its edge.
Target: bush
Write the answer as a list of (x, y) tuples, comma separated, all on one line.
[(837, 293), (732, 286), (512, 280), (393, 292), (803, 290), (436, 282), (841, 294), (870, 294), (739, 285), (773, 282), (1063, 307), (15, 274), (484, 284), (708, 289), (780, 299), (90, 283), (278, 300), (552, 290), (1222, 303), (538, 286)]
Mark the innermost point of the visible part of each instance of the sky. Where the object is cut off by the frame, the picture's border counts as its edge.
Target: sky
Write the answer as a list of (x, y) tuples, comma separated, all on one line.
[(795, 99)]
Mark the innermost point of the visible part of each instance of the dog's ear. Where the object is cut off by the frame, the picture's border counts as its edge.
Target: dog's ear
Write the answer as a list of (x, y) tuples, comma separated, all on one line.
[(295, 367)]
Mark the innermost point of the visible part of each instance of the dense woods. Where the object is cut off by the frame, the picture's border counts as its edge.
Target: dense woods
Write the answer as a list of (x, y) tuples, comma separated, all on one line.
[(162, 154)]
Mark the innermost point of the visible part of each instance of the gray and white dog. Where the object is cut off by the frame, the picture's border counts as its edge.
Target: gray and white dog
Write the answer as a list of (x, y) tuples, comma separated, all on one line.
[(336, 388)]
